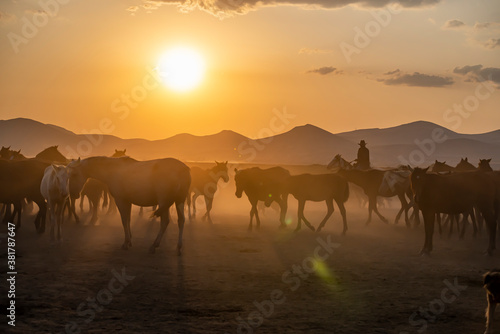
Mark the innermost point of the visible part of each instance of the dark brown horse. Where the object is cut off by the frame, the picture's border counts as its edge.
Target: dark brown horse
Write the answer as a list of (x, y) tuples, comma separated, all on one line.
[(53, 155), (145, 183), (204, 182), (484, 165), (19, 180), (265, 185), (7, 154), (441, 167), (464, 165), (318, 188), (375, 182), (454, 194)]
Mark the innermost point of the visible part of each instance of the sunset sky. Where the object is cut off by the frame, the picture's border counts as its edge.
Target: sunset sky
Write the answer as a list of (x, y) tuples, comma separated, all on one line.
[(338, 64)]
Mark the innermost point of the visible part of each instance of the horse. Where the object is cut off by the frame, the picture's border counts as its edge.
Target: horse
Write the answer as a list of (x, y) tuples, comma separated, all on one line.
[(484, 165), (204, 182), (146, 183), (456, 193), (55, 189), (441, 167), (371, 181), (7, 154), (317, 188), (265, 185), (464, 165), (53, 155), (19, 180)]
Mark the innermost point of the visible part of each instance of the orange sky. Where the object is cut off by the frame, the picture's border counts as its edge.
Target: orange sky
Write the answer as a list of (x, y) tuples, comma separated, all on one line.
[(76, 68)]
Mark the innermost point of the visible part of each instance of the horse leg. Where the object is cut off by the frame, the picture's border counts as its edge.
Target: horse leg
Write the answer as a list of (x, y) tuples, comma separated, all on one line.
[(438, 219), (370, 208), (52, 209), (465, 222), (343, 214), (283, 209), (125, 209), (300, 215), (329, 205), (373, 203), (208, 203), (429, 217), (72, 202), (164, 221), (252, 212), (18, 208), (41, 215), (180, 221), (404, 208), (94, 207), (188, 200), (195, 197), (59, 215), (141, 211), (451, 219)]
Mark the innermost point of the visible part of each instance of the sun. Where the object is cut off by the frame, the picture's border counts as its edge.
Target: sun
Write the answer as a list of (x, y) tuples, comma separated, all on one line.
[(181, 69)]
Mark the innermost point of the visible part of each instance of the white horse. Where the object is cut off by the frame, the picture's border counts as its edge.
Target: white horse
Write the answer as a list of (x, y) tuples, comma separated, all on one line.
[(55, 189)]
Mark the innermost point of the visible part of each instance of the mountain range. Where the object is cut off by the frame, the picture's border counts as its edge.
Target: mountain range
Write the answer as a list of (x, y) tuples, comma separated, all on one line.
[(416, 143)]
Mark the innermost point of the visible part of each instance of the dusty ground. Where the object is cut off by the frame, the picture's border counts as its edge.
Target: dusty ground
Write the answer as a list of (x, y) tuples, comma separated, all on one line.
[(373, 281)]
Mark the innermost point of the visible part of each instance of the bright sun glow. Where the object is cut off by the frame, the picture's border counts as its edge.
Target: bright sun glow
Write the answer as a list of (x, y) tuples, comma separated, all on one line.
[(181, 69)]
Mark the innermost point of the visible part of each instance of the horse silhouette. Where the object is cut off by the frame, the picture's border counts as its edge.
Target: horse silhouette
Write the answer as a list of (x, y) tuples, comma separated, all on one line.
[(19, 180), (145, 183), (484, 165), (456, 193), (317, 188), (371, 181), (464, 165), (204, 182), (265, 185), (441, 167), (52, 155)]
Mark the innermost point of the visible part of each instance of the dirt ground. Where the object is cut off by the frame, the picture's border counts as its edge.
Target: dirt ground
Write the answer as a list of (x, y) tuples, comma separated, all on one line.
[(229, 280)]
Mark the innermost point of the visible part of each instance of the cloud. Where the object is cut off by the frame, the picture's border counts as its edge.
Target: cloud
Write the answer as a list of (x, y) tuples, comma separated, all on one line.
[(492, 43), (225, 8), (416, 79), (323, 70), (453, 24), (477, 73), (314, 51), (392, 72), (6, 18)]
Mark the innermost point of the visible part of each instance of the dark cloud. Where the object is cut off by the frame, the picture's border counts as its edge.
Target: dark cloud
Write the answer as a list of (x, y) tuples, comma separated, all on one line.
[(222, 8), (492, 43), (392, 72), (453, 24), (323, 70), (479, 73), (417, 80)]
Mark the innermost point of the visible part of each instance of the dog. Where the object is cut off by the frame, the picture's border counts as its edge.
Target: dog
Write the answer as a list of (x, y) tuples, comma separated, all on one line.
[(492, 287)]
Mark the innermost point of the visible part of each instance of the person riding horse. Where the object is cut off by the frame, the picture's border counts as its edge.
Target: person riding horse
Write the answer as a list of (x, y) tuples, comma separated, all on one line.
[(363, 160)]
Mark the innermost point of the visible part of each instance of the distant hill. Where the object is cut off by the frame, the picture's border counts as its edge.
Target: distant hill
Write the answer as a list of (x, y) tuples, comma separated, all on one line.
[(303, 145)]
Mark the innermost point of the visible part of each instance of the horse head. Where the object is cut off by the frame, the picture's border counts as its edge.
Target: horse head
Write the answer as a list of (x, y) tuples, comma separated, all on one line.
[(61, 178), (417, 179), (220, 170), (239, 180), (339, 163), (484, 165), (76, 178)]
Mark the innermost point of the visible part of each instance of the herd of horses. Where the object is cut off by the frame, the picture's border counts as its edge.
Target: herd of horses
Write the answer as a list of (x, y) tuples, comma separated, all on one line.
[(54, 183)]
